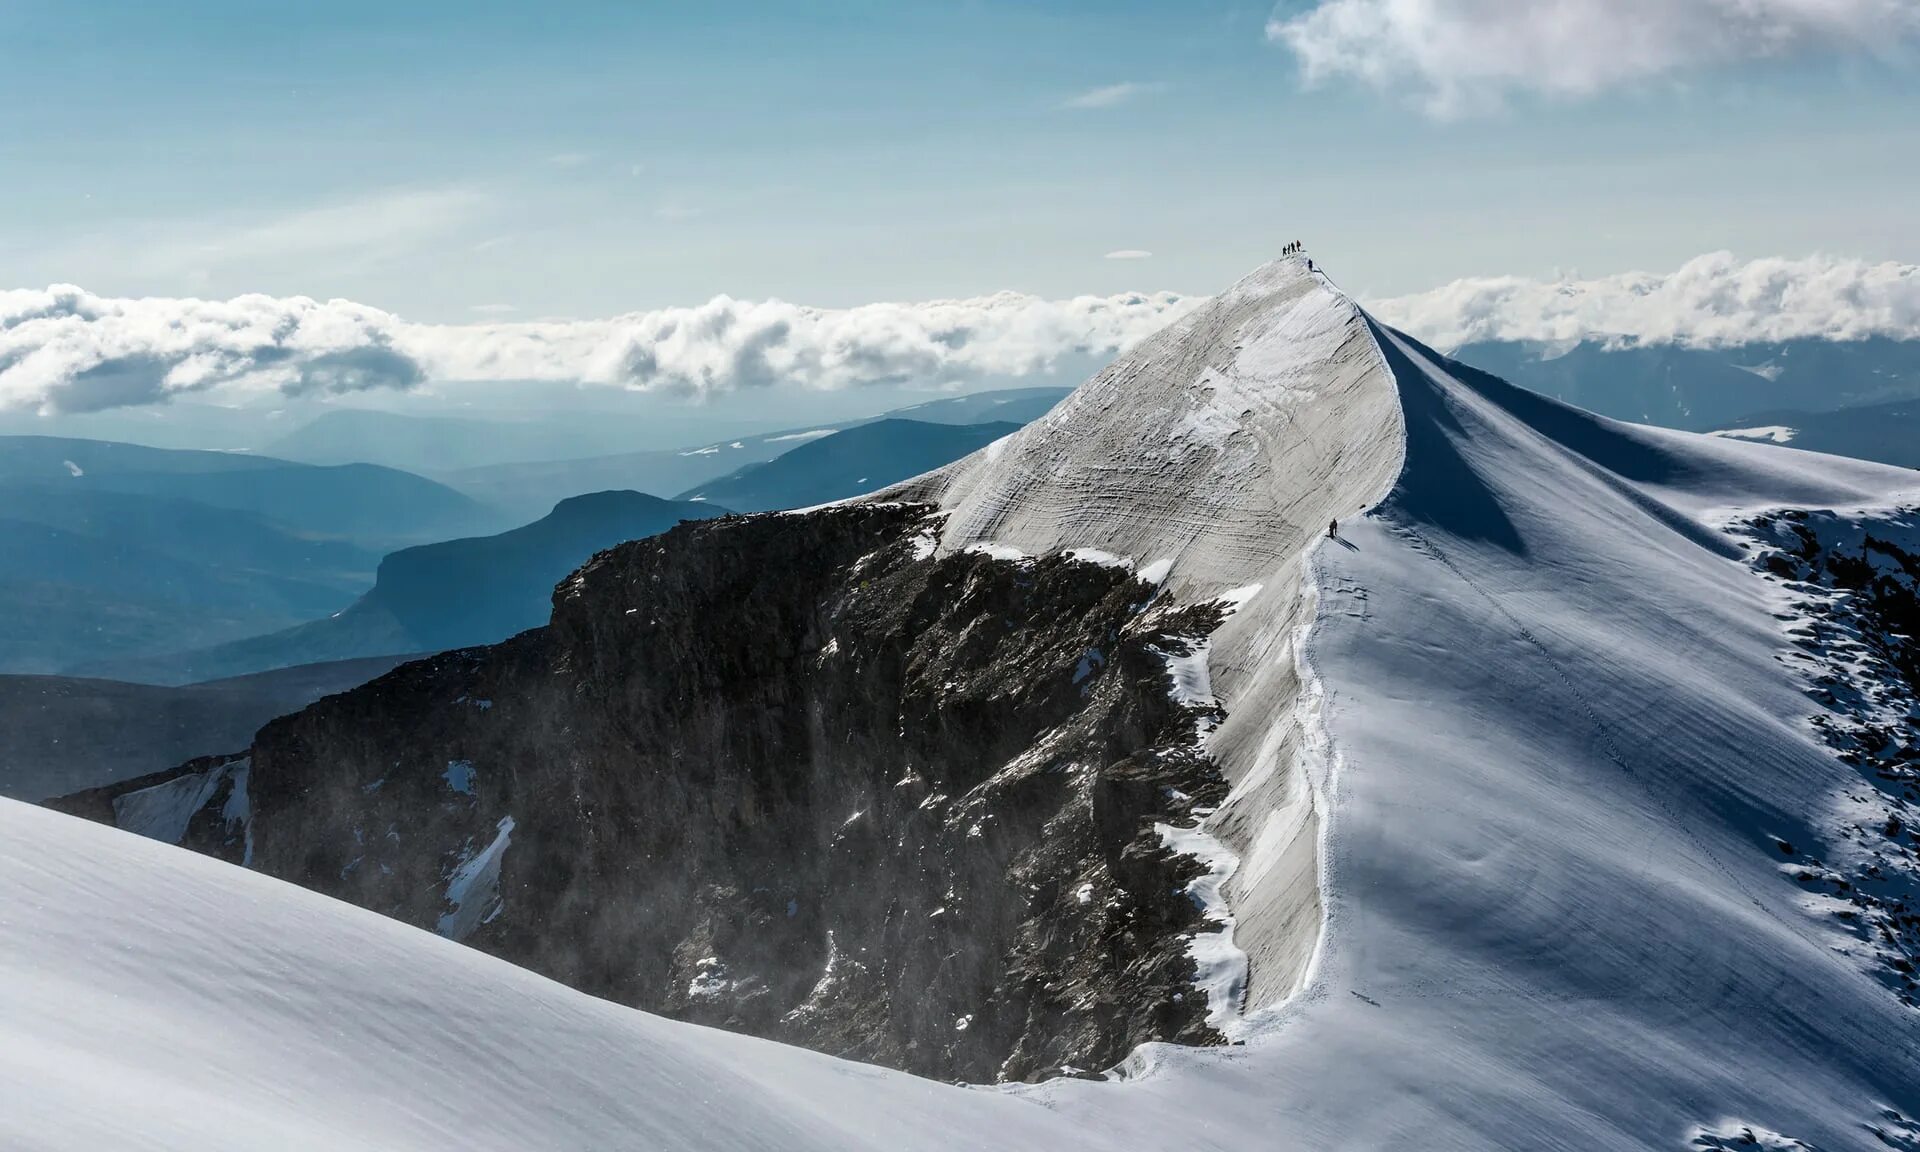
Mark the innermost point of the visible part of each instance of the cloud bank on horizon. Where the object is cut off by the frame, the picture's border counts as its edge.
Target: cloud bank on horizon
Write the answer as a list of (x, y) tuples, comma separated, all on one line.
[(1460, 56), (63, 349), (1716, 300)]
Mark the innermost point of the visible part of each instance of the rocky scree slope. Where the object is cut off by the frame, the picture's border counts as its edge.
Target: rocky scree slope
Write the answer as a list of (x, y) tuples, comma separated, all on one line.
[(797, 776)]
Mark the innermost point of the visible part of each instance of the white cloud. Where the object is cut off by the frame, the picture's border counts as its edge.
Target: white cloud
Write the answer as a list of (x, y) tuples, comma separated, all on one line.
[(63, 348), (1112, 95), (1462, 55), (1129, 254), (492, 309), (1711, 301)]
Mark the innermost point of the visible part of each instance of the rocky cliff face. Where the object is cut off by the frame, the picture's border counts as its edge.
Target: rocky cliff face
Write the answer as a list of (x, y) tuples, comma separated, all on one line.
[(1851, 587), (793, 775)]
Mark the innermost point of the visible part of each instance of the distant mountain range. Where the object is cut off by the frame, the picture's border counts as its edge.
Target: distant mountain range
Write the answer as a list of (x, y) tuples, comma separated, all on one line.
[(1703, 389), (1011, 405), (1889, 433), (112, 551), (434, 443), (61, 734), (170, 566), (365, 503), (528, 490), (849, 463), (437, 596)]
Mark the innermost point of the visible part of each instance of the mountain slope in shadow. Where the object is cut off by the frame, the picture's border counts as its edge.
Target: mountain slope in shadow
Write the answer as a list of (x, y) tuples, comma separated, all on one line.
[(848, 463)]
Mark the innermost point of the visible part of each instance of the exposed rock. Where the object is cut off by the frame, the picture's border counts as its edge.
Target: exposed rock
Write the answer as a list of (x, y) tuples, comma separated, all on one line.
[(792, 775), (1855, 623)]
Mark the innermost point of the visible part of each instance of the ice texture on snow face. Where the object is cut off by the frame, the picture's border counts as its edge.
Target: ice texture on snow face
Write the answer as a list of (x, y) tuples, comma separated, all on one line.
[(459, 776), (474, 887), (1188, 671), (1220, 966), (163, 811)]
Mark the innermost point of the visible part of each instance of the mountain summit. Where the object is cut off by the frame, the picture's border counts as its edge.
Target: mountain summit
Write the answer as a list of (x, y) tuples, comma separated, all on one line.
[(1560, 799)]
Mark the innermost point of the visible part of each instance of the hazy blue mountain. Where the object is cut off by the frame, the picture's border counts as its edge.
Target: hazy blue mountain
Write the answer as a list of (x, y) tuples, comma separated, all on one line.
[(178, 424), (117, 551), (437, 443), (437, 596), (226, 537), (59, 734), (848, 463), (529, 489), (1889, 433), (70, 596), (486, 588), (362, 502), (1010, 405), (91, 575), (1706, 389)]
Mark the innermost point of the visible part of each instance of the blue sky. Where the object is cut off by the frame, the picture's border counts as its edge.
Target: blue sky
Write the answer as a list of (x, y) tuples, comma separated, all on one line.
[(459, 162)]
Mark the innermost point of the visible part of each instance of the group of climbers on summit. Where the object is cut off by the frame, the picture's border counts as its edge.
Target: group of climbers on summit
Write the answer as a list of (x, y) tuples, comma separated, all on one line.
[(1294, 249)]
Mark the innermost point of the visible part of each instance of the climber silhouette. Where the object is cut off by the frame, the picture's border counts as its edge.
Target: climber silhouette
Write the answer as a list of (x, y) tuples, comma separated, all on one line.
[(1333, 529)]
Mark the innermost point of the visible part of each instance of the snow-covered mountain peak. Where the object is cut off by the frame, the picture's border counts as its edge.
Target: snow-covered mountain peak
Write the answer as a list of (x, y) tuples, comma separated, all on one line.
[(1214, 449)]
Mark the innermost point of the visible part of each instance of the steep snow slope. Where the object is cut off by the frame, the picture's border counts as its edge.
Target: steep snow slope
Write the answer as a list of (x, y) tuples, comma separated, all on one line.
[(1504, 817), (153, 998), (1558, 738), (1211, 457)]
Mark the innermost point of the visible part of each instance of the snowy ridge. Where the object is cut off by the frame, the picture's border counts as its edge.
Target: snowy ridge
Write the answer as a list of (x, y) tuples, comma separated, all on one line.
[(1222, 447), (1507, 763)]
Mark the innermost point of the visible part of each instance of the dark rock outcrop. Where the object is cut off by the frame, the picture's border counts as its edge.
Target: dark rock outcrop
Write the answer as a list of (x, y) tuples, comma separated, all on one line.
[(795, 776), (1853, 613)]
